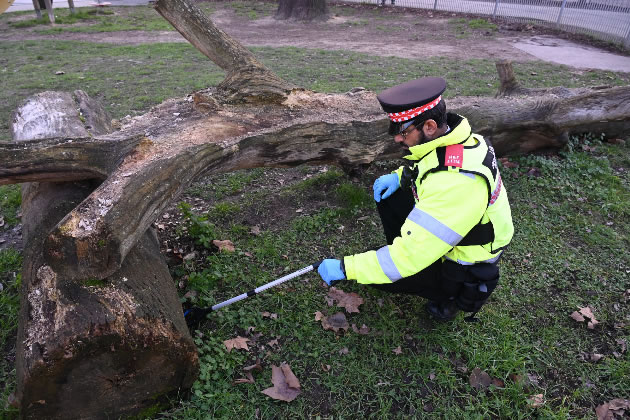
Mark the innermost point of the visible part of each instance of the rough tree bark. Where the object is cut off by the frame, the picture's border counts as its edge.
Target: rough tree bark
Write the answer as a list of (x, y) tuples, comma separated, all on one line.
[(91, 349), (304, 10), (144, 165)]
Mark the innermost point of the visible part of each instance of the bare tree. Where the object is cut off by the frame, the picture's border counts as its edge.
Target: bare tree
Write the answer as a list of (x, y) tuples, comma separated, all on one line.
[(304, 10)]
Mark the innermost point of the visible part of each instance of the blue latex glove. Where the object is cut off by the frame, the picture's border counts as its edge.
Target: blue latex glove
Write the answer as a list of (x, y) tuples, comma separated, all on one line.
[(385, 186), (331, 271)]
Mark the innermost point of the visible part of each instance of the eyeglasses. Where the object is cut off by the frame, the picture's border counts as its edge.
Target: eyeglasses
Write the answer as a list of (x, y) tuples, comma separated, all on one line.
[(407, 130)]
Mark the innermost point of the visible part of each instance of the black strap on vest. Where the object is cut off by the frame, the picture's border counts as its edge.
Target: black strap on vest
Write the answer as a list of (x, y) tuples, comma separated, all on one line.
[(481, 234)]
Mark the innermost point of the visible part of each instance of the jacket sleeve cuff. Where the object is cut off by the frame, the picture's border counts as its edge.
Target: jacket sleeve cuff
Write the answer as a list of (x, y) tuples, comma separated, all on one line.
[(399, 172), (348, 263)]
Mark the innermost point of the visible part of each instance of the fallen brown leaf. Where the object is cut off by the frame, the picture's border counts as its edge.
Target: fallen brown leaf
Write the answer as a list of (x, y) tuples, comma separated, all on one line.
[(536, 401), (479, 379), (255, 230), (256, 366), (349, 301), (269, 315), (335, 322), (622, 342), (226, 245), (236, 343), (249, 379), (397, 350), (364, 330), (577, 316), (591, 357), (603, 412), (344, 350), (535, 172), (319, 316), (286, 386), (583, 314), (273, 342), (499, 383), (506, 163), (326, 368)]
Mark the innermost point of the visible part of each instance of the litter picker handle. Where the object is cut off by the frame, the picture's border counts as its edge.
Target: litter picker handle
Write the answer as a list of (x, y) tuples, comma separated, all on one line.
[(202, 312)]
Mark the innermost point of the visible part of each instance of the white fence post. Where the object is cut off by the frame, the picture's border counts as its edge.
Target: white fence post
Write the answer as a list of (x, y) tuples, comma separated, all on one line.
[(435, 5), (564, 2), (496, 6)]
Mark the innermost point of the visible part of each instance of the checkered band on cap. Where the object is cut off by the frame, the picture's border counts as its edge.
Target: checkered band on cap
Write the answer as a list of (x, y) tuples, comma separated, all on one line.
[(413, 112)]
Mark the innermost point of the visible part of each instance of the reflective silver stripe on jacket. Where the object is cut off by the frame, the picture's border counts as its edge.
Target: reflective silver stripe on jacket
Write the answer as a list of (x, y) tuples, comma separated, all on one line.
[(491, 260), (434, 226), (387, 264)]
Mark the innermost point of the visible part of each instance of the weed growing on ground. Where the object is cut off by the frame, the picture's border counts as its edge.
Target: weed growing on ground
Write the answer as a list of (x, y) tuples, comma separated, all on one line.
[(10, 199), (10, 282)]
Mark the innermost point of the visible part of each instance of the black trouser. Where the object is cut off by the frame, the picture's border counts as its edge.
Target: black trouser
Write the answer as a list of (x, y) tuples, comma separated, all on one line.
[(439, 281)]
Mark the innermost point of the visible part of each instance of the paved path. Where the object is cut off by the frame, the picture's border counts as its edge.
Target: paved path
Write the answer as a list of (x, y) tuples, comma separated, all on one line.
[(19, 5), (545, 48)]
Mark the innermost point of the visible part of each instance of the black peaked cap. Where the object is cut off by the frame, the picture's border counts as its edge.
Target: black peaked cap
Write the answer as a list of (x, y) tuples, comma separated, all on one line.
[(411, 94)]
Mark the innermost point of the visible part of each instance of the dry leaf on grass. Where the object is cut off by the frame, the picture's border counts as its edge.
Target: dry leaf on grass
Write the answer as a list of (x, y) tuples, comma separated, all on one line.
[(326, 368), (273, 342), (344, 350), (256, 366), (505, 162), (397, 350), (249, 379), (612, 409), (286, 386), (364, 330), (591, 357), (334, 322), (349, 301), (255, 230), (269, 315), (226, 245), (236, 343), (499, 383), (536, 401), (479, 379), (583, 314)]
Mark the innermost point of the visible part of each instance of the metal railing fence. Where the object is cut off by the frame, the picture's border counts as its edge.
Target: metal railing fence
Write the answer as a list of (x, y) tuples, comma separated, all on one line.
[(604, 19)]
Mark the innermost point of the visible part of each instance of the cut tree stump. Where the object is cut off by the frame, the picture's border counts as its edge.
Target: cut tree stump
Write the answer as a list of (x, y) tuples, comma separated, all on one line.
[(94, 349)]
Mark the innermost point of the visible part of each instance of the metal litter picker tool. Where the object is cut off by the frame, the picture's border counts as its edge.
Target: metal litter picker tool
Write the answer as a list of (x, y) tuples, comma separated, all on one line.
[(195, 315)]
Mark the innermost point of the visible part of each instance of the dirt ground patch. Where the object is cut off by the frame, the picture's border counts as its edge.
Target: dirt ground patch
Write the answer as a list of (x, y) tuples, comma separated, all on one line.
[(406, 33)]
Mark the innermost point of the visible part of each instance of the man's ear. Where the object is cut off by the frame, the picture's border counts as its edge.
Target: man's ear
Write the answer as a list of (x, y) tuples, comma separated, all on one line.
[(429, 128)]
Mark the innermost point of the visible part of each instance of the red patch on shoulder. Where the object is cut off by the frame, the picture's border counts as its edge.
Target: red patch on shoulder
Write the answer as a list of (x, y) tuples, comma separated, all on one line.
[(454, 155)]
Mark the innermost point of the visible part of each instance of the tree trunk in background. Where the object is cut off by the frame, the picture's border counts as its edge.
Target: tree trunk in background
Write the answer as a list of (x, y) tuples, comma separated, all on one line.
[(304, 10), (93, 349)]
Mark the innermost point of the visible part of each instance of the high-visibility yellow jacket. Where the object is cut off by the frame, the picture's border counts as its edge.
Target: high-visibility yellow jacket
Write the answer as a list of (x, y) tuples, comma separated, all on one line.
[(457, 189)]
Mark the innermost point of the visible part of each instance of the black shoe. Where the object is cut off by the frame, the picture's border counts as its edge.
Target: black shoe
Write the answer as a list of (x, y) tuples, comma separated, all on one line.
[(442, 311)]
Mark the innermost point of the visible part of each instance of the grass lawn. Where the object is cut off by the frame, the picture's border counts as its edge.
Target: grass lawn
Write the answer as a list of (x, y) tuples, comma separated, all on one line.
[(570, 250)]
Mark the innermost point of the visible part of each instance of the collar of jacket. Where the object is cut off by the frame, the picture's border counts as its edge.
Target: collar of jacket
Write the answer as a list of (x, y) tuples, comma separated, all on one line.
[(460, 132)]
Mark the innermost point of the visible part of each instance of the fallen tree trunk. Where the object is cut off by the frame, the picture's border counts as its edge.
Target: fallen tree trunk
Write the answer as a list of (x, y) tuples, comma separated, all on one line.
[(343, 129), (93, 348)]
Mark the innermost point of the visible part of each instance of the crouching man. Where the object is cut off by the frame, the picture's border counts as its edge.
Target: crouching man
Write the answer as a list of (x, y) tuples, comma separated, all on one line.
[(446, 217)]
